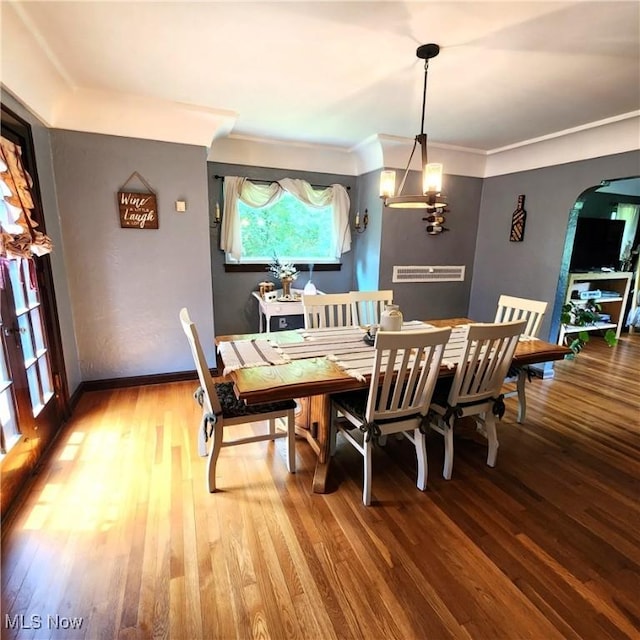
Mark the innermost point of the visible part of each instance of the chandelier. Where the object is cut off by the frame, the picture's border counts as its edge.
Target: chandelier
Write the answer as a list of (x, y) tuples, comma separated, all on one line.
[(431, 197)]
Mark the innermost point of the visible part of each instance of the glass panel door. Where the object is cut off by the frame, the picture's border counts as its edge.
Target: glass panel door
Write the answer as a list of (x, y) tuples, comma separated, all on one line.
[(35, 354), (33, 392), (9, 432)]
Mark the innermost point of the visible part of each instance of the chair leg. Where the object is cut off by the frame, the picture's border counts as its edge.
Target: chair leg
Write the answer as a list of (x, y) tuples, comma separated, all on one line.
[(202, 443), (447, 431), (272, 426), (366, 481), (213, 458), (291, 441), (492, 438), (522, 398), (421, 454)]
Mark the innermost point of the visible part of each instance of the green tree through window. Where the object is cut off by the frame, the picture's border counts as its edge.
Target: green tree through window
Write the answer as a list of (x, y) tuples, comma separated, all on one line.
[(289, 229)]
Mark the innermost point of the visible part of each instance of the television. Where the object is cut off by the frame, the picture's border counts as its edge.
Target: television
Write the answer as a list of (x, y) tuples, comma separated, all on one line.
[(597, 244)]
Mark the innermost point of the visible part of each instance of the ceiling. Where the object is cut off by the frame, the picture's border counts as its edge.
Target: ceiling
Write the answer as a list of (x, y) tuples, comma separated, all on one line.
[(336, 73)]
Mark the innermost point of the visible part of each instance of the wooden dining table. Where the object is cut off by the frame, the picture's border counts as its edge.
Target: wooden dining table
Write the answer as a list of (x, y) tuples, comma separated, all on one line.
[(311, 381)]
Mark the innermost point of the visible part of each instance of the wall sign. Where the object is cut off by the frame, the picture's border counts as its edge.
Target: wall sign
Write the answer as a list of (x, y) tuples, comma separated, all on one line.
[(138, 209)]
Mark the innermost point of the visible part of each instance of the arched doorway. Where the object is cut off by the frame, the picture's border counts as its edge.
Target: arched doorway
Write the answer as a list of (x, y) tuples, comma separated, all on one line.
[(613, 199)]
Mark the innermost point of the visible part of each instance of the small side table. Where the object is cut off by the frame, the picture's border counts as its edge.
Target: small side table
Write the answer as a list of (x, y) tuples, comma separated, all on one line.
[(268, 309)]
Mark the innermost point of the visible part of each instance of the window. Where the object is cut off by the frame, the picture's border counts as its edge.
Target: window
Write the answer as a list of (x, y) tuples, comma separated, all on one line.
[(289, 219), (289, 229)]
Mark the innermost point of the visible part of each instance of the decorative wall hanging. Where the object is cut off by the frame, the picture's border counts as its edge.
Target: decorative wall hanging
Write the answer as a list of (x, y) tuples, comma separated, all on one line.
[(138, 209), (19, 237), (518, 220)]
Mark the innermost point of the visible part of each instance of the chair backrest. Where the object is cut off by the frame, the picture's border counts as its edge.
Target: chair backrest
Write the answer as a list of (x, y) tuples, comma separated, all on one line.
[(404, 373), (329, 310), (485, 361), (366, 306), (210, 399), (511, 308)]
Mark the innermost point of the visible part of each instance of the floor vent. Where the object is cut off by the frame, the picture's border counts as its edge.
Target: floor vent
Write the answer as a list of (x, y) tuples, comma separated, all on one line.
[(421, 273)]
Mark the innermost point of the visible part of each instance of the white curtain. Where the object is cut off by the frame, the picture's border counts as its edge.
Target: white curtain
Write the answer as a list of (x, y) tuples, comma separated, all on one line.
[(261, 195), (630, 214), (19, 236)]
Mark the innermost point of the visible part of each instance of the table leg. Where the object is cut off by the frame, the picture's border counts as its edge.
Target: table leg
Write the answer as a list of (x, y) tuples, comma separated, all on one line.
[(320, 411), (313, 422)]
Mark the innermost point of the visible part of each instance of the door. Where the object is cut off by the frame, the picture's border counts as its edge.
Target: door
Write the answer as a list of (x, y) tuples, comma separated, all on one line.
[(33, 397)]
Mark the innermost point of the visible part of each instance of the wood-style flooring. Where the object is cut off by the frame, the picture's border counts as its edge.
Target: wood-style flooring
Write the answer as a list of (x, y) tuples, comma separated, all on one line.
[(119, 537)]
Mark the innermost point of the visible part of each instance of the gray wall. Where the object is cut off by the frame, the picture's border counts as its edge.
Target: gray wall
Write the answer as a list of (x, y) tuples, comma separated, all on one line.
[(537, 267), (46, 179), (406, 242), (236, 310), (367, 251), (127, 285)]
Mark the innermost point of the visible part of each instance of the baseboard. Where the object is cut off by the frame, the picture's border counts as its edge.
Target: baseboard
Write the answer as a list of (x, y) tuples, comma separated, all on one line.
[(136, 381)]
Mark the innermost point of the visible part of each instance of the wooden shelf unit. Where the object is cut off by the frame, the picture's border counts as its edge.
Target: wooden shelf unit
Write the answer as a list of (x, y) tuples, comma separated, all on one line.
[(618, 281)]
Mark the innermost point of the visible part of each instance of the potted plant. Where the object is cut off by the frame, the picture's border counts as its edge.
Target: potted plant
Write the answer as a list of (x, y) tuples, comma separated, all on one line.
[(583, 315)]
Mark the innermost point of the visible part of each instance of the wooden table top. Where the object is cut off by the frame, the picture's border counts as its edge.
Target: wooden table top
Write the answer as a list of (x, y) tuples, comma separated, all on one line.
[(314, 376)]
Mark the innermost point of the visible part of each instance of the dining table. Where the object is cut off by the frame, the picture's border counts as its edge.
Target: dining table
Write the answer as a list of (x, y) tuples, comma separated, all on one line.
[(309, 367)]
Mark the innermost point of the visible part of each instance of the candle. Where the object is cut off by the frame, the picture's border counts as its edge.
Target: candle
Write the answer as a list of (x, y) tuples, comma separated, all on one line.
[(217, 212), (358, 219)]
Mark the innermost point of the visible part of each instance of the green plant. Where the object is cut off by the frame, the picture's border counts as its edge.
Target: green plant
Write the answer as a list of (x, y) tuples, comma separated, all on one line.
[(582, 315)]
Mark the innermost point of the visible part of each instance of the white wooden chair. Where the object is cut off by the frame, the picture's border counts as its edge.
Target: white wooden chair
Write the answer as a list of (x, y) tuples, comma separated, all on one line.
[(509, 309), (403, 377), (221, 410), (476, 386), (329, 310), (366, 306)]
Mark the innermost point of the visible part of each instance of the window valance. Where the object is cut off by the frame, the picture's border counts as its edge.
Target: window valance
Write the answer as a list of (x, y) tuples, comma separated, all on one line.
[(260, 195), (19, 237)]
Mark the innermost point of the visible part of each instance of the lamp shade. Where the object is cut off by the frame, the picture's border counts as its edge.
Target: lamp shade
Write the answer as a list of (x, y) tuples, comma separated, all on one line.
[(432, 178), (387, 183)]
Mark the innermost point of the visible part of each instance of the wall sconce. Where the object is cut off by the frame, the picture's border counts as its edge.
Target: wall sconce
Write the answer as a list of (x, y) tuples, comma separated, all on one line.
[(217, 218), (361, 225)]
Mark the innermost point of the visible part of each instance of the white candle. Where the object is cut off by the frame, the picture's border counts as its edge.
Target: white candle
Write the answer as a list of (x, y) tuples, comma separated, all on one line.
[(217, 212), (358, 219)]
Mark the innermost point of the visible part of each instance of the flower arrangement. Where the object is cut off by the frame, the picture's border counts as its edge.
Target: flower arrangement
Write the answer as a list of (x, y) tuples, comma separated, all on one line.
[(282, 270)]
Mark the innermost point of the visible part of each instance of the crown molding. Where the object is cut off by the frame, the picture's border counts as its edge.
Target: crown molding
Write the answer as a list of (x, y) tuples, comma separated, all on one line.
[(280, 154)]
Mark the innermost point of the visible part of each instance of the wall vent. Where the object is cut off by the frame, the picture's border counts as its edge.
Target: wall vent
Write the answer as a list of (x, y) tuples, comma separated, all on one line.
[(420, 273)]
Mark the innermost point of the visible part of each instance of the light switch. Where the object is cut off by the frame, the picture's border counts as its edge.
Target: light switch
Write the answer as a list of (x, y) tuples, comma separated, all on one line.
[(181, 206)]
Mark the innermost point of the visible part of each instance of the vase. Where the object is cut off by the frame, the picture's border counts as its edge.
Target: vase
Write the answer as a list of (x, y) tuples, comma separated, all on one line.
[(391, 318), (286, 287)]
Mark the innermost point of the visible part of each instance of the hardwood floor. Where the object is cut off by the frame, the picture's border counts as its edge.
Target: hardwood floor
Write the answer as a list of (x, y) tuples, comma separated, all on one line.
[(119, 536)]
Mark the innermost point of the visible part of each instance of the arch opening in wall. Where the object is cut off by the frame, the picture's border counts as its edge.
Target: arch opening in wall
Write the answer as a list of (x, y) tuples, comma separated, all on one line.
[(616, 200)]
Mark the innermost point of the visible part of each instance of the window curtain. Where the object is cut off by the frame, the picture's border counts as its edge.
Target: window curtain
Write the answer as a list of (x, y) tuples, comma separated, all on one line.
[(261, 195), (19, 237), (630, 214)]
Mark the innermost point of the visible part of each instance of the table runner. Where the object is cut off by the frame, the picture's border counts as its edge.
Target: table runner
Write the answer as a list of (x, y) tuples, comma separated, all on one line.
[(243, 354), (343, 345)]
